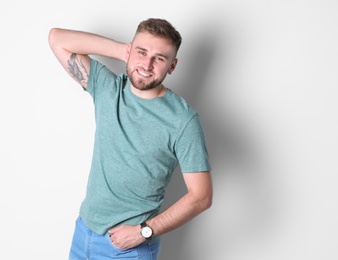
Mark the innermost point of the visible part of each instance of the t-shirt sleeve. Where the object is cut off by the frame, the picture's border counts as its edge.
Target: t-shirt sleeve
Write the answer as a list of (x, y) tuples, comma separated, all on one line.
[(98, 75), (191, 149)]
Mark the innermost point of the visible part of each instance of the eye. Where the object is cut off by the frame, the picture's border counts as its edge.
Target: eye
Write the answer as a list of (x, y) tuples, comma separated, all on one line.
[(143, 53), (160, 58)]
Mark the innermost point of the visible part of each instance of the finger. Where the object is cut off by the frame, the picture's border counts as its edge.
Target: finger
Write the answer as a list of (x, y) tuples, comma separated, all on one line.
[(112, 230), (111, 239)]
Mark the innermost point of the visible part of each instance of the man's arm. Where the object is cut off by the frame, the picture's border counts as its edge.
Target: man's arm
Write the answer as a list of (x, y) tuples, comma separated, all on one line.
[(197, 200), (73, 47)]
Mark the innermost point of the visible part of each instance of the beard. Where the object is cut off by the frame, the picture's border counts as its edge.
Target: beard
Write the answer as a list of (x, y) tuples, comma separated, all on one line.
[(142, 84)]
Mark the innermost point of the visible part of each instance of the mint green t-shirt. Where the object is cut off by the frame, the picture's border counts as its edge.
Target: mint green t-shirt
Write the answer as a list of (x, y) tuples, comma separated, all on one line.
[(138, 145)]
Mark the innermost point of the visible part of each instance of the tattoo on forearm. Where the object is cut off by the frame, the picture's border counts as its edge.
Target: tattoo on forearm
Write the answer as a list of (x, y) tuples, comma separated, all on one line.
[(78, 70)]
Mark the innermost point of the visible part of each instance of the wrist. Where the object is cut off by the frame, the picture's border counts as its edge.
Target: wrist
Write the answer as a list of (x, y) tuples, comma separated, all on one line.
[(146, 231)]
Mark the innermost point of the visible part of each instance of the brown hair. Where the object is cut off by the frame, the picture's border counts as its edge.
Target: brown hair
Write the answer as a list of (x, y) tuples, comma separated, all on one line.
[(162, 28)]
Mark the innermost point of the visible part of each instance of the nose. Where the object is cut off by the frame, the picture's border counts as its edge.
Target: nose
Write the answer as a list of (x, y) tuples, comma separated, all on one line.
[(148, 63)]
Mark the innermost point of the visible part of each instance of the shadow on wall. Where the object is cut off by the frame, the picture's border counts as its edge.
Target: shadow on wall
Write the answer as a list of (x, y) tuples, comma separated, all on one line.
[(232, 150), (191, 82)]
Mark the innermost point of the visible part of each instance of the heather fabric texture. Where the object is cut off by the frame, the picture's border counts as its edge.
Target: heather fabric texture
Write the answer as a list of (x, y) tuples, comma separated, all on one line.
[(138, 145)]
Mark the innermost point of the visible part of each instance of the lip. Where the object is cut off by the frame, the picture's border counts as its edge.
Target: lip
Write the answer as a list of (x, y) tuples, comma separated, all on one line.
[(143, 74)]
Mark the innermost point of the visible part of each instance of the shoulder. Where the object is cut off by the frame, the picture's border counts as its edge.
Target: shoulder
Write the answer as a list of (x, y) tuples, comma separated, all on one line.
[(180, 105), (97, 69), (102, 78)]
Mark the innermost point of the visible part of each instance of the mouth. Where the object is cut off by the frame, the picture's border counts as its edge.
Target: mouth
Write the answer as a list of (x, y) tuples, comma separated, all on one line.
[(143, 74)]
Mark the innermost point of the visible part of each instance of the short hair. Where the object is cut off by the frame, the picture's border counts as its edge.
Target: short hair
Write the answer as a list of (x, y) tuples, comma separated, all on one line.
[(161, 28)]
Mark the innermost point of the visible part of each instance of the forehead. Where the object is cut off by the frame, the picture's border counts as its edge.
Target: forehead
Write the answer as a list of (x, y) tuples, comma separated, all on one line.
[(154, 44)]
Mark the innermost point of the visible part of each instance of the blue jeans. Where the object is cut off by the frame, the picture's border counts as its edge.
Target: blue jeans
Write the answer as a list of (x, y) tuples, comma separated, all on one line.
[(87, 245)]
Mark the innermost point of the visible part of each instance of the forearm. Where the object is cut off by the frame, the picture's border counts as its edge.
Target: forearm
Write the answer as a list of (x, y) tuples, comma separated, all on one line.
[(197, 200), (86, 43), (179, 213)]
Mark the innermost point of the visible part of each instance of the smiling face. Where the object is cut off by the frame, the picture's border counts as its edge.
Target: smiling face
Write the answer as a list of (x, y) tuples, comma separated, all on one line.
[(150, 58)]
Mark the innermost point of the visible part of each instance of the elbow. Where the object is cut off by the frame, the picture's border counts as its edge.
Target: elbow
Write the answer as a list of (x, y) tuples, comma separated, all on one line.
[(206, 203), (52, 36)]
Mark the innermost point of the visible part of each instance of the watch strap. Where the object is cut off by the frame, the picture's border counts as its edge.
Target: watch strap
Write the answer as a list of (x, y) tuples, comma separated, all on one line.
[(143, 225)]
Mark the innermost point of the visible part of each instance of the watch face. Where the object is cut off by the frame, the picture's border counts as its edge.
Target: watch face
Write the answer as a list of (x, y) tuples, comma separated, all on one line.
[(146, 232)]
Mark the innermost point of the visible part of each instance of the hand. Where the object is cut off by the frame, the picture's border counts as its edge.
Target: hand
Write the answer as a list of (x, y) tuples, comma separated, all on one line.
[(126, 236)]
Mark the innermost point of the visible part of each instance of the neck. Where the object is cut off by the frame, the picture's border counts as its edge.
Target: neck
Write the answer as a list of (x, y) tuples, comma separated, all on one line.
[(149, 93)]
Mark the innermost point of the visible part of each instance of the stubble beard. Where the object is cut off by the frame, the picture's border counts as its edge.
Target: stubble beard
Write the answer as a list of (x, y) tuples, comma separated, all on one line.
[(142, 84)]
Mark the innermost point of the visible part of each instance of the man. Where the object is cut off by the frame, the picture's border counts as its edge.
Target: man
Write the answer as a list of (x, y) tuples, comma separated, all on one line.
[(143, 132)]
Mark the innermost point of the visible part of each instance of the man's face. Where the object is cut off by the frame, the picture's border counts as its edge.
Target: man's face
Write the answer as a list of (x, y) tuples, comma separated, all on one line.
[(150, 58)]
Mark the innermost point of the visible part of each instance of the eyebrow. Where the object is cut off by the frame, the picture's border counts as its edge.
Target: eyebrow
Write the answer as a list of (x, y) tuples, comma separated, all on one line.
[(156, 54)]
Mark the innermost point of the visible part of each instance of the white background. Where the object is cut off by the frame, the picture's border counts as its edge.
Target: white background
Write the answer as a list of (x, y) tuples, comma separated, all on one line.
[(263, 77)]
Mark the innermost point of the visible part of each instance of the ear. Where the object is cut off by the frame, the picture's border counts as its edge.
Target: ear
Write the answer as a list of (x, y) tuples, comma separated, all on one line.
[(173, 66), (127, 52)]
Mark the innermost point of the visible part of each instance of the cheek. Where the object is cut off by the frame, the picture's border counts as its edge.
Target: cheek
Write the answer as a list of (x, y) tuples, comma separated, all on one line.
[(132, 57), (135, 61)]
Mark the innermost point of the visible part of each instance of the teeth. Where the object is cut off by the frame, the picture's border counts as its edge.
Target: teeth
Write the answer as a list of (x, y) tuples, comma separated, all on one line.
[(144, 74)]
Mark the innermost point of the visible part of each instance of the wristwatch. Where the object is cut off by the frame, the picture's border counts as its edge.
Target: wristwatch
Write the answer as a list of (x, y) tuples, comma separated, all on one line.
[(146, 231)]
